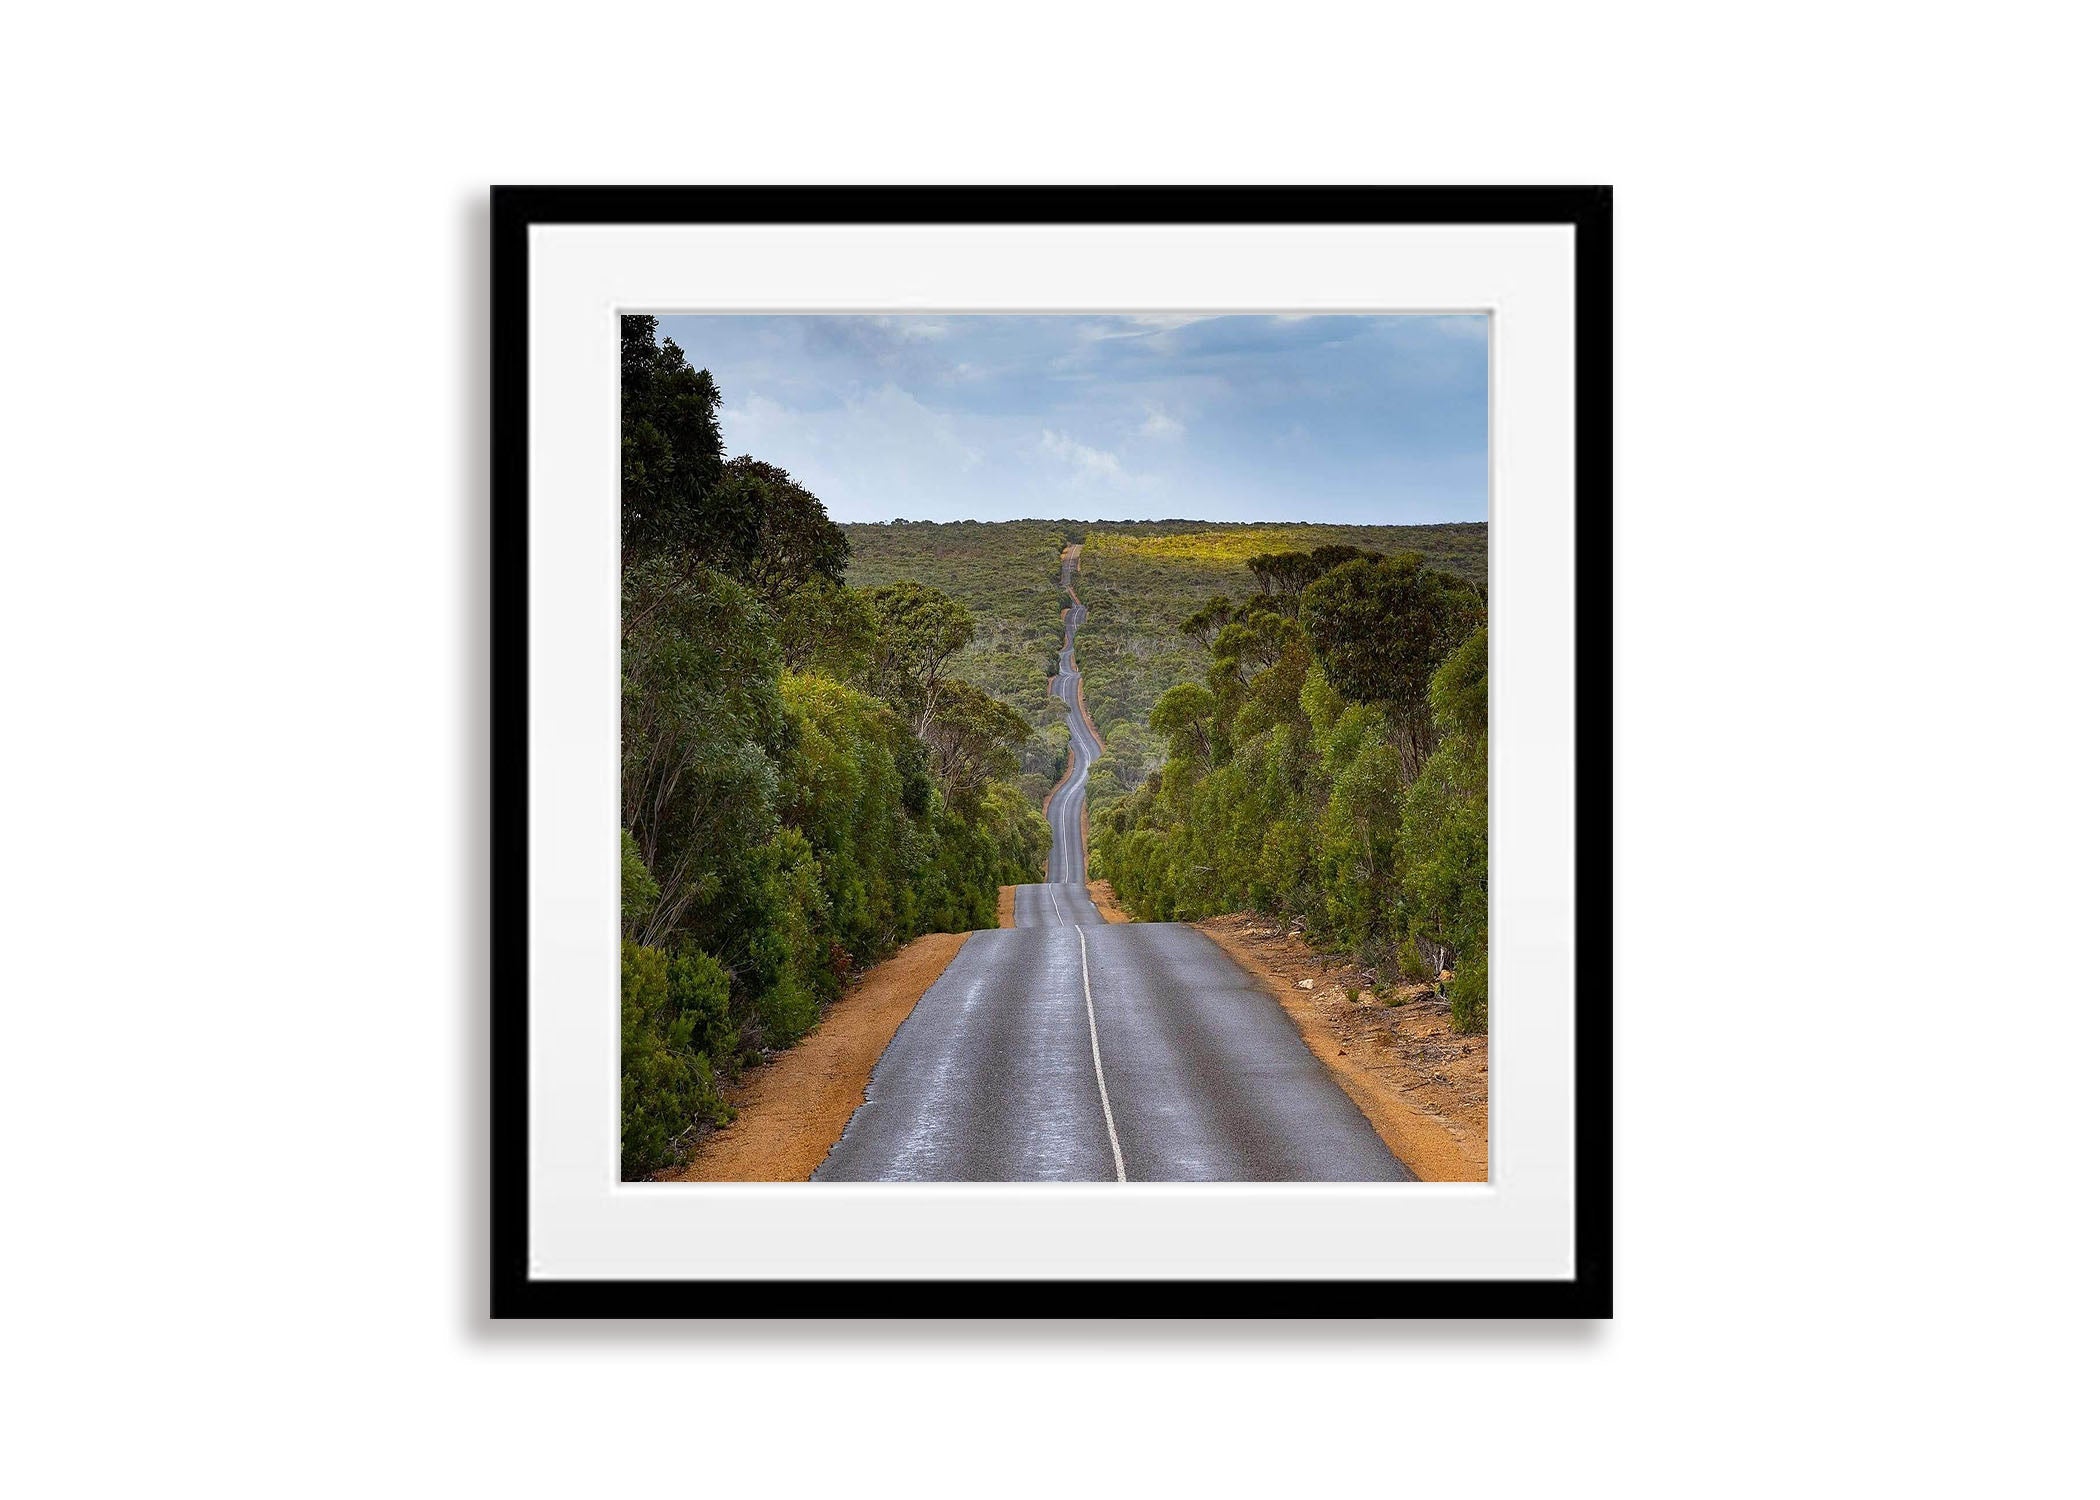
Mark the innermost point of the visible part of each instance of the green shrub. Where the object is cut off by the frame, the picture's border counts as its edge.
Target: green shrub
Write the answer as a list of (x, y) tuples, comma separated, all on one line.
[(787, 945), (786, 1011), (638, 889), (699, 990), (666, 1084), (1468, 990)]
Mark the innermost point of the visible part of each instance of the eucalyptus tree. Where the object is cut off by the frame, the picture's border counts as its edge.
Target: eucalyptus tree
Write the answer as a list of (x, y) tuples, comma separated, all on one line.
[(920, 631), (670, 446), (1380, 630)]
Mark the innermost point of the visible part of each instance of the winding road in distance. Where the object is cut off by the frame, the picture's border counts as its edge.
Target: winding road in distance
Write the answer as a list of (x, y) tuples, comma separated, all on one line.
[(1070, 1049)]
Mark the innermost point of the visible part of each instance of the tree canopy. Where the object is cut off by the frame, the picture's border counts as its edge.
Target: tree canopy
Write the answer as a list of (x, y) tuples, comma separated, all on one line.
[(972, 739), (793, 541), (1203, 626), (825, 626), (920, 630), (1283, 575), (1380, 630), (670, 447), (1184, 715)]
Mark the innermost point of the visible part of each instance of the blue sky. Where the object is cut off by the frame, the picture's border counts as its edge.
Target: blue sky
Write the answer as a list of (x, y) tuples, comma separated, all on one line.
[(1092, 417)]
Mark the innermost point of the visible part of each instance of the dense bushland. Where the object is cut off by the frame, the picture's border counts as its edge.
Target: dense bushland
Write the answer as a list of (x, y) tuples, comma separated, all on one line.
[(1143, 580), (1005, 573), (806, 781), (1328, 764), (1140, 581)]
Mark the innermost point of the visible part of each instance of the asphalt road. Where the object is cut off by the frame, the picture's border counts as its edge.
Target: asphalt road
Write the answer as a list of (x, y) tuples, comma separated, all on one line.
[(1068, 803), (1072, 1049)]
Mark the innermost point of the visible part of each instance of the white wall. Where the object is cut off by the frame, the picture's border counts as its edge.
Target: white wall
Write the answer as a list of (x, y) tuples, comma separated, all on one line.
[(242, 594)]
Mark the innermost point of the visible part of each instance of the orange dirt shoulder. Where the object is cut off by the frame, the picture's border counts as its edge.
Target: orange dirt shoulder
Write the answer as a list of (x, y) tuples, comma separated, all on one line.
[(1423, 1087), (793, 1109), (1104, 898)]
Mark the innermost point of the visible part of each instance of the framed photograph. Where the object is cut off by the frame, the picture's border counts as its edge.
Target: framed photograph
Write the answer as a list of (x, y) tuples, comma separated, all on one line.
[(1052, 752)]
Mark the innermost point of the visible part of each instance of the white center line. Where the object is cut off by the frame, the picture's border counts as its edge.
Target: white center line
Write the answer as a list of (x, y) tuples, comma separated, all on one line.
[(1093, 1037)]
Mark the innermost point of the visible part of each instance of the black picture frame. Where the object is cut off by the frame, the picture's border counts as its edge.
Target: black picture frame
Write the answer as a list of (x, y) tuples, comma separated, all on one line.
[(513, 1292)]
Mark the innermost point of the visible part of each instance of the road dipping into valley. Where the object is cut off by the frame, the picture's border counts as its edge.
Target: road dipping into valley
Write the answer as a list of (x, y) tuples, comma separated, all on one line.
[(1069, 1049)]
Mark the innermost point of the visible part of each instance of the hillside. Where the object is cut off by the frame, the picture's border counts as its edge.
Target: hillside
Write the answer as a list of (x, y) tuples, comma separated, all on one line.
[(1005, 573), (1140, 580)]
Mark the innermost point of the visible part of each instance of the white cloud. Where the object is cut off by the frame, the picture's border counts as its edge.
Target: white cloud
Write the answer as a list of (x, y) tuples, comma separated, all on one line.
[(879, 452), (1158, 424), (1474, 326), (1137, 325), (1092, 463), (916, 330)]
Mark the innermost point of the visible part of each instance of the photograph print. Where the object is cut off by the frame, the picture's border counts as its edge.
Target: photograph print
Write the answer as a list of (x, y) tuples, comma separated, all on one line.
[(1054, 748)]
